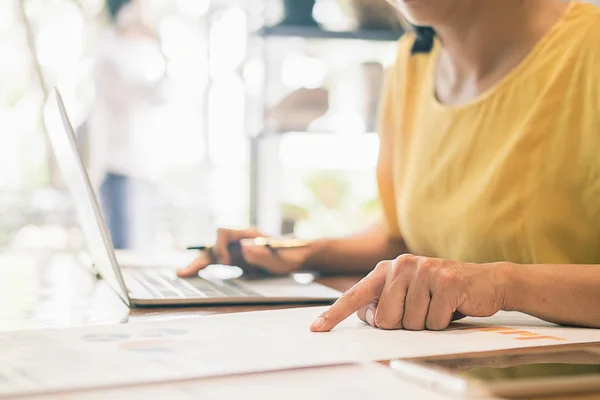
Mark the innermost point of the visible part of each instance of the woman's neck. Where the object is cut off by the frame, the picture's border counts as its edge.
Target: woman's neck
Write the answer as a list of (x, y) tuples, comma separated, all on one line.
[(475, 41)]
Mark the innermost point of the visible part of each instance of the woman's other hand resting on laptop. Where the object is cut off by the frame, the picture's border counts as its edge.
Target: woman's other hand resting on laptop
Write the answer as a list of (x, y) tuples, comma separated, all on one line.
[(282, 261), (349, 255)]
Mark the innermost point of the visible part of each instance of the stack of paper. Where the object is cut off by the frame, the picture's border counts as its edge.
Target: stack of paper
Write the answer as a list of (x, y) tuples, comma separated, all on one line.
[(108, 356)]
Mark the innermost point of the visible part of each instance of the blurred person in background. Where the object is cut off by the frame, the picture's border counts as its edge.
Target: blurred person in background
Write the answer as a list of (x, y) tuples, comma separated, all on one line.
[(488, 172), (130, 84)]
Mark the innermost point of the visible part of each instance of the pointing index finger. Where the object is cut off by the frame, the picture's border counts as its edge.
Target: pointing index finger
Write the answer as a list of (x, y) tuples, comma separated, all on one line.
[(360, 295)]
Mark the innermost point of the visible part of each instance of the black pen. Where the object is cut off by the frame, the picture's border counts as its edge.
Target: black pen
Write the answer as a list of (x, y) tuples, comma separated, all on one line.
[(199, 248), (272, 243)]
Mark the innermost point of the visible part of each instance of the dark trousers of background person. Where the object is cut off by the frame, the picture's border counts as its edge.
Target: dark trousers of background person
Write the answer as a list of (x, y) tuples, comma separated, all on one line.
[(129, 206)]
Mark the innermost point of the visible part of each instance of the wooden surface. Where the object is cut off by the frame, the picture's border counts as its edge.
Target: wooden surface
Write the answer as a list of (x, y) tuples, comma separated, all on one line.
[(42, 290)]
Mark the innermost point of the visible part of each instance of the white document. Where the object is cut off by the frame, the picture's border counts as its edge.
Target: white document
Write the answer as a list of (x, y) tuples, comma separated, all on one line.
[(105, 356), (349, 382)]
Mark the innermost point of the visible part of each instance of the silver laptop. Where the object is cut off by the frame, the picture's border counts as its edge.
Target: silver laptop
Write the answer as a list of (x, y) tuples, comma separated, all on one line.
[(155, 286)]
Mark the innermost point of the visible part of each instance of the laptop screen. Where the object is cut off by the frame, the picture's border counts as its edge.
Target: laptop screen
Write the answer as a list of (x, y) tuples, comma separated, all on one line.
[(64, 145)]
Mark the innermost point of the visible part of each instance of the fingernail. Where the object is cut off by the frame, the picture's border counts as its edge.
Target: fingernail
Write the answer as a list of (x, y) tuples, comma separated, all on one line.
[(318, 324), (370, 316)]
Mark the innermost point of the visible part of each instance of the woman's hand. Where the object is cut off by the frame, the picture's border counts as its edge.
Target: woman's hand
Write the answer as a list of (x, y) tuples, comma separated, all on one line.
[(276, 261), (251, 256), (418, 293)]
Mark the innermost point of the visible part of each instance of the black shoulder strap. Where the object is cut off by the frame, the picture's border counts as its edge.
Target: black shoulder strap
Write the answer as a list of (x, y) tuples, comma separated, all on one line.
[(424, 41)]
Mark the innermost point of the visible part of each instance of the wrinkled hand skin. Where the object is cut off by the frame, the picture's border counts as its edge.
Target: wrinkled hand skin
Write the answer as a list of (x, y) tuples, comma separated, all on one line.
[(416, 293)]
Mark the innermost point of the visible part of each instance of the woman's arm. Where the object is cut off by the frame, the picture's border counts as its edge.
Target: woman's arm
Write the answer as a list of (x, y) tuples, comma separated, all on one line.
[(349, 255), (418, 293), (358, 253), (563, 294)]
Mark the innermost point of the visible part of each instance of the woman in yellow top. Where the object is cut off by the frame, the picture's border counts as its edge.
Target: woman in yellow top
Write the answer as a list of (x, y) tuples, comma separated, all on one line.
[(489, 173)]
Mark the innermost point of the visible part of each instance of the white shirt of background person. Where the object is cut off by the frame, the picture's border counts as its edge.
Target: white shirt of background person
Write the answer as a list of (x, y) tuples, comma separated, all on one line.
[(130, 84)]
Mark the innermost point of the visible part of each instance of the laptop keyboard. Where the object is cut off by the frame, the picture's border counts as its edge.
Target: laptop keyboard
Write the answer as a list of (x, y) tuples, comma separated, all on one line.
[(165, 284)]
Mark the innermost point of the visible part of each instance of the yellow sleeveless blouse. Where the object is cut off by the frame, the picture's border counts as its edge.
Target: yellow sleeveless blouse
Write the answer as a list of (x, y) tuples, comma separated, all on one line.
[(512, 176)]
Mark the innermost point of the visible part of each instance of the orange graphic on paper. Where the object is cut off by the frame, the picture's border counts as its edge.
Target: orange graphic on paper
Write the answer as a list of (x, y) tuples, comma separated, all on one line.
[(515, 333)]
